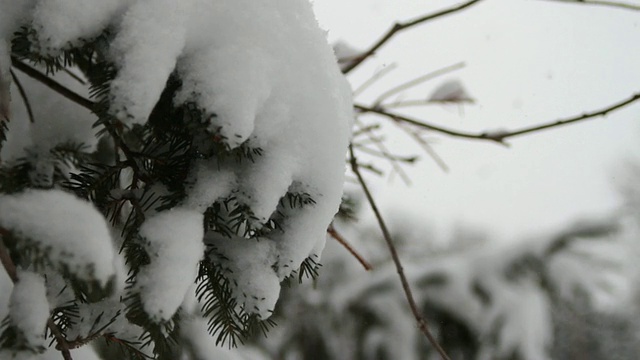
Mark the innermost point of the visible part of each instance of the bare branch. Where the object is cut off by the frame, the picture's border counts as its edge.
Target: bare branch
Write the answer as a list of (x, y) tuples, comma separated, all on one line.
[(403, 26), (377, 76), (615, 4), (386, 155), (424, 145), (422, 323), (422, 124), (338, 237), (417, 81), (23, 95), (502, 135), (392, 160)]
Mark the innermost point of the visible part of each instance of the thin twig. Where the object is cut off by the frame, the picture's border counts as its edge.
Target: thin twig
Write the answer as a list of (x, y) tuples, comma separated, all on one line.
[(11, 270), (386, 155), (5, 258), (417, 81), (338, 237), (424, 145), (371, 168), (403, 26), (615, 4), (74, 76), (421, 124), (23, 95), (62, 346), (501, 135), (383, 149), (377, 76), (52, 84), (425, 102), (362, 130), (422, 323)]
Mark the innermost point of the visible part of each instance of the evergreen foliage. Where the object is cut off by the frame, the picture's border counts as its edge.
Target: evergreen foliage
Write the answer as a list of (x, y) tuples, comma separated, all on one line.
[(481, 302), (135, 171)]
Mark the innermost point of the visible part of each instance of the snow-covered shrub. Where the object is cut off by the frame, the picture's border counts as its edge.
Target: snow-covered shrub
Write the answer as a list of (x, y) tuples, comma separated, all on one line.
[(161, 162), (529, 300)]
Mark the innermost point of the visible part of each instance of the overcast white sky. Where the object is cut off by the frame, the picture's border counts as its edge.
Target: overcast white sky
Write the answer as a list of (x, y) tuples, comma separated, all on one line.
[(527, 61)]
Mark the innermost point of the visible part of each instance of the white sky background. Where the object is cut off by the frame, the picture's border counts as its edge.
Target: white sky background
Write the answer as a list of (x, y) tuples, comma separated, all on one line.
[(527, 62)]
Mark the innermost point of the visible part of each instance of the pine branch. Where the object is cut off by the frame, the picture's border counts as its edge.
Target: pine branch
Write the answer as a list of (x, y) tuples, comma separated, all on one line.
[(403, 26), (86, 103), (162, 335), (227, 322), (126, 346), (422, 323), (309, 268)]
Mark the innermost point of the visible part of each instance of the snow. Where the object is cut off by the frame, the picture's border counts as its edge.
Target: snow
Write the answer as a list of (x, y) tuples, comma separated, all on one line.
[(505, 294), (598, 267), (249, 265), (263, 73), (523, 315), (173, 241), (28, 307), (90, 17), (450, 91), (73, 233), (94, 317), (208, 184), (13, 12), (263, 68), (150, 39), (345, 53), (57, 120)]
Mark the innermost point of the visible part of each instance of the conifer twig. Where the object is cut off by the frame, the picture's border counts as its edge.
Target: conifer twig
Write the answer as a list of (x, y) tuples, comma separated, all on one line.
[(403, 26), (339, 238), (11, 270), (422, 322)]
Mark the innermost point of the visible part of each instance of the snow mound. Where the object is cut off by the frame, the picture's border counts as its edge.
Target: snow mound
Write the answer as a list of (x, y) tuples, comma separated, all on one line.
[(248, 264), (76, 238), (28, 307), (173, 241)]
